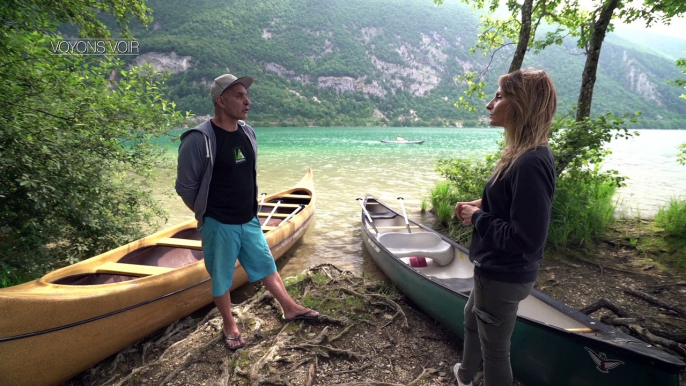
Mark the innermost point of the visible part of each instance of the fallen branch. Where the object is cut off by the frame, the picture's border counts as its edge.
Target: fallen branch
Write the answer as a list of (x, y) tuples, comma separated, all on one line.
[(604, 303), (665, 285), (311, 373), (602, 268), (655, 301), (675, 336), (645, 334)]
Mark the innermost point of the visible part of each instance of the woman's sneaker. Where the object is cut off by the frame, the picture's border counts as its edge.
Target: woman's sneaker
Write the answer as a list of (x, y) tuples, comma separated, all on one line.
[(459, 382)]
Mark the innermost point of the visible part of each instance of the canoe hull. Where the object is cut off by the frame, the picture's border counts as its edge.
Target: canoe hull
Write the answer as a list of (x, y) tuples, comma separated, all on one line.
[(564, 357), (56, 331), (403, 142)]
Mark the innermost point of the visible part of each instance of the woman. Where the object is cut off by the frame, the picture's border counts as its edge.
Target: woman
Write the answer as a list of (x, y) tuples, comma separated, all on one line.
[(510, 224)]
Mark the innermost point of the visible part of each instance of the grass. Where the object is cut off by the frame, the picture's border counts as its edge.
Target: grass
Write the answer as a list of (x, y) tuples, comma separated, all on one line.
[(673, 218), (650, 241), (443, 198), (9, 279)]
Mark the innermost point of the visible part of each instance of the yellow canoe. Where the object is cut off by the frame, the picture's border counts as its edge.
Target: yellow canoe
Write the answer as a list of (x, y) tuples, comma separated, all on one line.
[(54, 327)]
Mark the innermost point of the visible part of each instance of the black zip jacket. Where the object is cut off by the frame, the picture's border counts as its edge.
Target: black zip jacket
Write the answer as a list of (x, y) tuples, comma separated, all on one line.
[(511, 228)]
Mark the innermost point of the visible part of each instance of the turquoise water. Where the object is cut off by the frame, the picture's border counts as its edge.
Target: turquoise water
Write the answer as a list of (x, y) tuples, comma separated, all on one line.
[(351, 162)]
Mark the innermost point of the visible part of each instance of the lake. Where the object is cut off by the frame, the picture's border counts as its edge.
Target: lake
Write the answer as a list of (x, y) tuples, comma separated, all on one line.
[(351, 162)]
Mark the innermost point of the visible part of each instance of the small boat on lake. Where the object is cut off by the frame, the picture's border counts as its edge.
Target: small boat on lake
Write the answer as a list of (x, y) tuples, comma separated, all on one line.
[(403, 141), (552, 343), (70, 319)]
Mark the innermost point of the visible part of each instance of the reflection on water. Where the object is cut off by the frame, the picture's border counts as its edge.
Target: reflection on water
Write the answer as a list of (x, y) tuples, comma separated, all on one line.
[(351, 162)]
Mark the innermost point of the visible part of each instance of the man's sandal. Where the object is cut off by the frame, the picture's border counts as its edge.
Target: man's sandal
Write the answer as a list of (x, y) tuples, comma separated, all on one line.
[(229, 339)]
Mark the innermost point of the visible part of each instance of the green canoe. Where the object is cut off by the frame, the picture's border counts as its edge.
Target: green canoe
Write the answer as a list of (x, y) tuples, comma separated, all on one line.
[(553, 344)]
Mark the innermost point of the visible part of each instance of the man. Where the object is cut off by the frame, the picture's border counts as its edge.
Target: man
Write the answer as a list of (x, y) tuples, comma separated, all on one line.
[(217, 179)]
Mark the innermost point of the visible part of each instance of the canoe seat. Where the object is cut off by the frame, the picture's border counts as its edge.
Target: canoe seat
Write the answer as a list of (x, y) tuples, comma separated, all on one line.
[(386, 215), (300, 196), (418, 244), (180, 243), (131, 269)]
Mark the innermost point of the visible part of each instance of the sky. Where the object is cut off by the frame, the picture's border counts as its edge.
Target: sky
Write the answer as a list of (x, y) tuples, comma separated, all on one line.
[(676, 28)]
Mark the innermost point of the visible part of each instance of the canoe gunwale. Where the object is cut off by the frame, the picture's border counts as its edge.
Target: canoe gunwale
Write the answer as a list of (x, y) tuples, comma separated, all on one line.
[(603, 336), (151, 241)]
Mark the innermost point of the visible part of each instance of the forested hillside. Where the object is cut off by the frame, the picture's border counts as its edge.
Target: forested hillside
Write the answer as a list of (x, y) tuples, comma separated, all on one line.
[(377, 62)]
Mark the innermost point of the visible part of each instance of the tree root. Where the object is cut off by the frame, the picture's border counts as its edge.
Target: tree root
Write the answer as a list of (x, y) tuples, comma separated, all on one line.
[(287, 354), (384, 299)]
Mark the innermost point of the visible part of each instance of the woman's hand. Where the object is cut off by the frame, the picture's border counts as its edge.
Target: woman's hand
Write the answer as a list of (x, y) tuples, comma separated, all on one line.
[(459, 209), (466, 213)]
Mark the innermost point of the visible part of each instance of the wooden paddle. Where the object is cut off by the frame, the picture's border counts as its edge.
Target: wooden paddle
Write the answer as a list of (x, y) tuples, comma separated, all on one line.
[(369, 218), (291, 215), (272, 213), (402, 205), (261, 202)]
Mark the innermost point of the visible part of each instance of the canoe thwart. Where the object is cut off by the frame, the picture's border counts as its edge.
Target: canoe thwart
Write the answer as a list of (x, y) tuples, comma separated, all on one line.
[(275, 215), (131, 269), (281, 205), (180, 243), (418, 244), (397, 227)]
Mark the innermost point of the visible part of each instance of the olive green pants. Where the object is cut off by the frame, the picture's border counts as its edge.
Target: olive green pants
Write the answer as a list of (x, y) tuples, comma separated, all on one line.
[(490, 316)]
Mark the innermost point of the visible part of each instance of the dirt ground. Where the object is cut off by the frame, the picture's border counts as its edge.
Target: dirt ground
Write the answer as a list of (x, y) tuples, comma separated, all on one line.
[(370, 334)]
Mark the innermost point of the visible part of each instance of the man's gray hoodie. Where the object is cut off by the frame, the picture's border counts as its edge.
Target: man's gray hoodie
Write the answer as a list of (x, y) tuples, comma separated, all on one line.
[(196, 160)]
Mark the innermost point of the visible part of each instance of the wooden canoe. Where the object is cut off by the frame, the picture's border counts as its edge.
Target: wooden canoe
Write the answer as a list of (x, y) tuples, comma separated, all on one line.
[(72, 318), (552, 344)]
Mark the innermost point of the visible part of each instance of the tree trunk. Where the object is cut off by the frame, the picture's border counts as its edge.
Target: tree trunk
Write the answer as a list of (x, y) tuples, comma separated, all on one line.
[(592, 56), (524, 36)]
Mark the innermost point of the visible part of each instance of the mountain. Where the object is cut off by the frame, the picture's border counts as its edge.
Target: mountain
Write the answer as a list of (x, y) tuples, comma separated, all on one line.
[(378, 62)]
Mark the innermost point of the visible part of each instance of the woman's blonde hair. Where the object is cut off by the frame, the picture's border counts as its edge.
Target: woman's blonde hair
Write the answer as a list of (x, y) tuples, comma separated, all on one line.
[(533, 101)]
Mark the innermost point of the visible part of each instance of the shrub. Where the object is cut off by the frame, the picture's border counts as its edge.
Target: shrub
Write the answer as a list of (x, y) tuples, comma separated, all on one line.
[(583, 209)]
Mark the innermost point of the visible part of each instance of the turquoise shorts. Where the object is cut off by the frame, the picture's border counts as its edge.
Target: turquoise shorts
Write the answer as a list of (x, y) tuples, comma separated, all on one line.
[(222, 244)]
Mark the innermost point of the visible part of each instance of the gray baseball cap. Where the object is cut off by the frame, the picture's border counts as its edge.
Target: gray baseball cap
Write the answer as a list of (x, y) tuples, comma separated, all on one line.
[(225, 81)]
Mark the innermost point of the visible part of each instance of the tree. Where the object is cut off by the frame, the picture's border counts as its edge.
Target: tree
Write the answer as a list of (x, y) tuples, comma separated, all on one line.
[(681, 156), (44, 15), (75, 151), (520, 29), (590, 29)]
